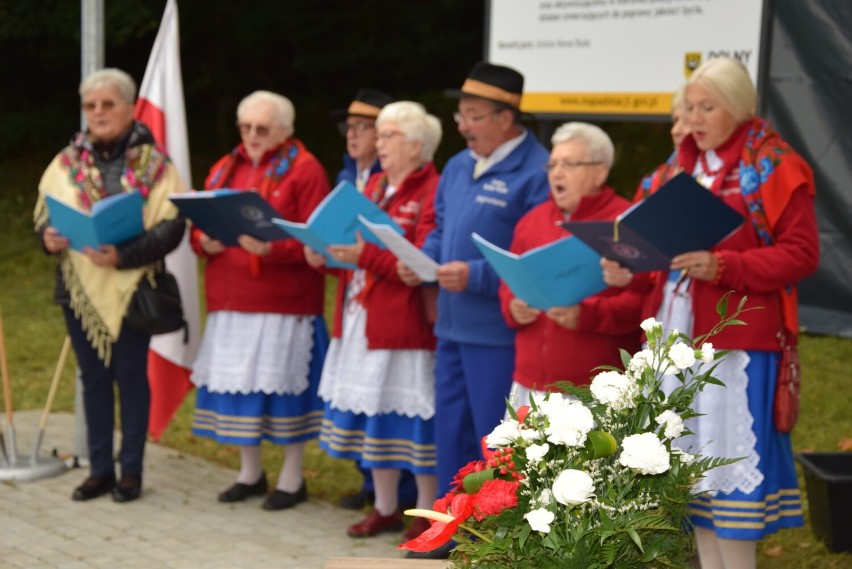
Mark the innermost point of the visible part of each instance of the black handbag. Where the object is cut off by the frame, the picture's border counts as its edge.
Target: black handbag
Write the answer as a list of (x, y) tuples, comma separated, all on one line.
[(156, 307)]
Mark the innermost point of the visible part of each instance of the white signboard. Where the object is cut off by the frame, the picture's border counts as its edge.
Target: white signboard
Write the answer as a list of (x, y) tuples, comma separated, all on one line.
[(618, 57)]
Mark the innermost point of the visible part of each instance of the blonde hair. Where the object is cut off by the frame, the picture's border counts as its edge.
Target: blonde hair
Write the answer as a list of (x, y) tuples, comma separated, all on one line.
[(417, 125), (599, 146), (678, 97), (285, 113), (110, 77), (729, 81)]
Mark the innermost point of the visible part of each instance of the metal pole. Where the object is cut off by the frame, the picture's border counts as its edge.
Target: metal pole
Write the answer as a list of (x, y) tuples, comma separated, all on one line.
[(91, 59)]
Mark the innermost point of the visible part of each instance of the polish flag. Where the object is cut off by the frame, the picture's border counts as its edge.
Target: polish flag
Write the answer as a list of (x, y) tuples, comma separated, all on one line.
[(160, 106)]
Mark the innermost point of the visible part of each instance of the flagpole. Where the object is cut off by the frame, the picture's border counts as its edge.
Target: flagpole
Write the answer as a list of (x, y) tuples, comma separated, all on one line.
[(91, 59)]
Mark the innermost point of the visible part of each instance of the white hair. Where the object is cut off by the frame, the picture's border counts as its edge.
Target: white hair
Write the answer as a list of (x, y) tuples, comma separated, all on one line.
[(285, 113), (598, 144), (110, 77), (417, 125)]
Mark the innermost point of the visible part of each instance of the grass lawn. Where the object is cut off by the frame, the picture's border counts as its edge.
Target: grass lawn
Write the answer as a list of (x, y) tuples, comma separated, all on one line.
[(34, 333)]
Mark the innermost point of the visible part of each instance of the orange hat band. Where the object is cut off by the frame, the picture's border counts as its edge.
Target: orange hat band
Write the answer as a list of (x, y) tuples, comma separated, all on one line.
[(480, 89), (363, 109)]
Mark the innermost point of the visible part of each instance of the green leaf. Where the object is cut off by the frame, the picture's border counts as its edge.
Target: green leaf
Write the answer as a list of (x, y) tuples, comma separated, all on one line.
[(474, 481), (635, 537)]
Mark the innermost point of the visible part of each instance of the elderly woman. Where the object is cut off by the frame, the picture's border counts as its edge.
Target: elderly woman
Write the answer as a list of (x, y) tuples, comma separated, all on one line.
[(742, 160), (114, 154), (566, 342), (378, 381), (259, 363)]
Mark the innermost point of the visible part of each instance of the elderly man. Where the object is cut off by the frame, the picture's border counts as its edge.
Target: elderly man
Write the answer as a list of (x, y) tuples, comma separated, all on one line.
[(484, 189), (357, 125)]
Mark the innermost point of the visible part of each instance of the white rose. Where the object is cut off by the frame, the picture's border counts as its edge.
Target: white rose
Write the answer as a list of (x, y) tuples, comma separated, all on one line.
[(614, 389), (707, 353), (573, 487), (568, 423), (503, 434), (673, 423), (537, 452), (649, 323), (682, 355), (530, 435), (644, 453), (540, 519)]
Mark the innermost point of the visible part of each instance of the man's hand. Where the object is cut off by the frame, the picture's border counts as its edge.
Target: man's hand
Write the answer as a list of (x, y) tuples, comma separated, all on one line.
[(453, 275)]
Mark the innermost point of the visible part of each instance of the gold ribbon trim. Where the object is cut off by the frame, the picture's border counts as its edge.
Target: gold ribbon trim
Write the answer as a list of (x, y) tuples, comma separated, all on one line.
[(363, 109), (480, 89)]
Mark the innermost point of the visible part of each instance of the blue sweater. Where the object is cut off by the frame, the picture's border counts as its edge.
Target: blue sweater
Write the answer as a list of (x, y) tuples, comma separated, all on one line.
[(489, 206)]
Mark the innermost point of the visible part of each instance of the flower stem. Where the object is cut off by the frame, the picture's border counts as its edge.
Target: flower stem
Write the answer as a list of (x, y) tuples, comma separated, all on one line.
[(476, 533)]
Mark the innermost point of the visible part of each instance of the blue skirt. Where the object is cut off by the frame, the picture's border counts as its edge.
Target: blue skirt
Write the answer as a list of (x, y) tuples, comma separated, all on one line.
[(389, 440), (776, 503), (247, 419)]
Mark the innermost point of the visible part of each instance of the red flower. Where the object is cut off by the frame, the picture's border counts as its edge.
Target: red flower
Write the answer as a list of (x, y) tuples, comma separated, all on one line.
[(461, 508), (494, 497), (522, 413), (470, 467)]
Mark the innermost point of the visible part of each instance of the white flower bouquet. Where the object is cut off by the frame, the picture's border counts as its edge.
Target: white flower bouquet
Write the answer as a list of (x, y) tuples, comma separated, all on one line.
[(591, 479)]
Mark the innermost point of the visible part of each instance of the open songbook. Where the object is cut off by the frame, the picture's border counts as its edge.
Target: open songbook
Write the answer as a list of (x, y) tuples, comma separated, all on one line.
[(681, 216)]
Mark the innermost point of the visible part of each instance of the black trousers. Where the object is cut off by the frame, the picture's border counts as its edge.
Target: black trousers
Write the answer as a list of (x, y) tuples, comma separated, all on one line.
[(128, 368)]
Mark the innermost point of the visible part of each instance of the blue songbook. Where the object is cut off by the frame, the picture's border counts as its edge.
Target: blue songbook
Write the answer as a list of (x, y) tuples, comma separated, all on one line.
[(560, 273), (113, 220), (226, 214), (681, 216), (335, 220)]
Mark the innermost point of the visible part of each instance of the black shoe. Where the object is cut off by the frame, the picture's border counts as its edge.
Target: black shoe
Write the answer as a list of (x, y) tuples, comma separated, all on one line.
[(358, 500), (93, 487), (281, 500), (129, 488), (239, 491), (442, 552)]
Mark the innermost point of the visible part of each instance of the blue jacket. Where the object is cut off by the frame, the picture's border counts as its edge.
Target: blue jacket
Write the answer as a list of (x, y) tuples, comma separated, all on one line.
[(489, 206), (350, 169)]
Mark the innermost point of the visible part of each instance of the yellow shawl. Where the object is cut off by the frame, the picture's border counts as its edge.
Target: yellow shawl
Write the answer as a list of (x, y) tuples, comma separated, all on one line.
[(100, 295)]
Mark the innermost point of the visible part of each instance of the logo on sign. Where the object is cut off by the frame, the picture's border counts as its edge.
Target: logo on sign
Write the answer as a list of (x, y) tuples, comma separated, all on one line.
[(691, 61)]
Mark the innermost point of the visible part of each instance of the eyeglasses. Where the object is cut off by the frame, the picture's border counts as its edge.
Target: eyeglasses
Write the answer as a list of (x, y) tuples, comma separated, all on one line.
[(389, 134), (460, 118), (356, 127), (569, 165), (259, 129), (90, 106)]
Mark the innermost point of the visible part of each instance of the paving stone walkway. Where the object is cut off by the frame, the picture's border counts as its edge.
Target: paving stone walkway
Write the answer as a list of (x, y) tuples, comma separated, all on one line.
[(177, 524)]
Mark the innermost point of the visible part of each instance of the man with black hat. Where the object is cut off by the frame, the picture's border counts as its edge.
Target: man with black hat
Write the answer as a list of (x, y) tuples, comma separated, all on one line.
[(358, 125), (484, 189)]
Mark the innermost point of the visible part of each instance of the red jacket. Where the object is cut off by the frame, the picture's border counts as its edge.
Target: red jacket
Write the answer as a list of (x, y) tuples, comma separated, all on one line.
[(750, 268), (546, 352), (284, 283), (396, 313)]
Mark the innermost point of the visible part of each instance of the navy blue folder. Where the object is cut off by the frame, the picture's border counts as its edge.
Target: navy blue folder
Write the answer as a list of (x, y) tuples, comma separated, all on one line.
[(226, 214), (681, 216)]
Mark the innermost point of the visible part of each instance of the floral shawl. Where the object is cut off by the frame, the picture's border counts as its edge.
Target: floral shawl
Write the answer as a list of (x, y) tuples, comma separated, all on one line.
[(769, 172), (100, 295)]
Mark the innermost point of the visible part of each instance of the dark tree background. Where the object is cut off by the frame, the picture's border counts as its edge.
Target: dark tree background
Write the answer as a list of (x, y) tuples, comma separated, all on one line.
[(316, 52)]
